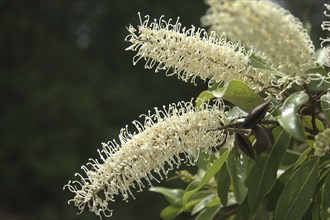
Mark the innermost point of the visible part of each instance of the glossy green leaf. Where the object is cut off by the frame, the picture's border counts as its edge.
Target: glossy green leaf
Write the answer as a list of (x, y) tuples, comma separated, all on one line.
[(202, 204), (239, 94), (196, 198), (204, 159), (290, 120), (297, 194), (171, 212), (171, 195), (263, 175), (204, 97), (211, 172), (223, 184), (259, 65), (325, 104), (209, 213), (238, 167)]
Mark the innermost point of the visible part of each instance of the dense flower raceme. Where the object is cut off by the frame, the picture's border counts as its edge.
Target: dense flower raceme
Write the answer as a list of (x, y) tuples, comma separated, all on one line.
[(192, 53), (326, 26), (168, 137), (273, 33)]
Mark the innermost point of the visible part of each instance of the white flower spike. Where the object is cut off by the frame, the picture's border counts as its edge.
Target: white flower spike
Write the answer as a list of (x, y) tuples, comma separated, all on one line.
[(192, 53), (169, 136), (272, 32), (326, 26)]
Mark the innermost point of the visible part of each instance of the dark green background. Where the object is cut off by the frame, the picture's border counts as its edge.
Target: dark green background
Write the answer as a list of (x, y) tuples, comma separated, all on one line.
[(67, 85)]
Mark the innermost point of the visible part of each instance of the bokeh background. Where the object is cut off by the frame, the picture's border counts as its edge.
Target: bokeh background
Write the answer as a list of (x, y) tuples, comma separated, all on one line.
[(67, 85)]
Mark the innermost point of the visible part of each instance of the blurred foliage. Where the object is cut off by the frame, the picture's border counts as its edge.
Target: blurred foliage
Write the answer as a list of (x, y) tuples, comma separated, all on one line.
[(67, 84)]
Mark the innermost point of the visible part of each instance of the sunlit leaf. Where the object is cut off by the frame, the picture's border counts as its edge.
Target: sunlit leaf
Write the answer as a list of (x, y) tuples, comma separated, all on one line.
[(297, 194), (204, 97), (211, 172), (239, 94), (263, 175), (289, 119)]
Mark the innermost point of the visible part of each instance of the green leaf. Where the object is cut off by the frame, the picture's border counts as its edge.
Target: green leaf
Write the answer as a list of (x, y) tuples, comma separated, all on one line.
[(223, 184), (290, 158), (276, 191), (239, 94), (259, 65), (171, 195), (204, 159), (297, 194), (204, 97), (307, 122), (209, 213), (289, 119), (171, 212), (196, 198), (198, 184), (202, 204), (302, 157), (228, 210), (207, 95), (238, 167), (263, 175), (325, 205), (244, 212), (325, 104)]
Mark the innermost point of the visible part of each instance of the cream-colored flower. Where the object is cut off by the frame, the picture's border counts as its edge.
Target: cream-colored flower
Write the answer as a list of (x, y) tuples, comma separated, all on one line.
[(326, 26), (192, 53), (322, 143), (168, 137), (272, 32)]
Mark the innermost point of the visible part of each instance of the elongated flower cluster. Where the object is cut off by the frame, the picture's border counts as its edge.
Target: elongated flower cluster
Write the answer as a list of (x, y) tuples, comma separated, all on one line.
[(326, 26), (273, 33), (192, 53), (168, 137)]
